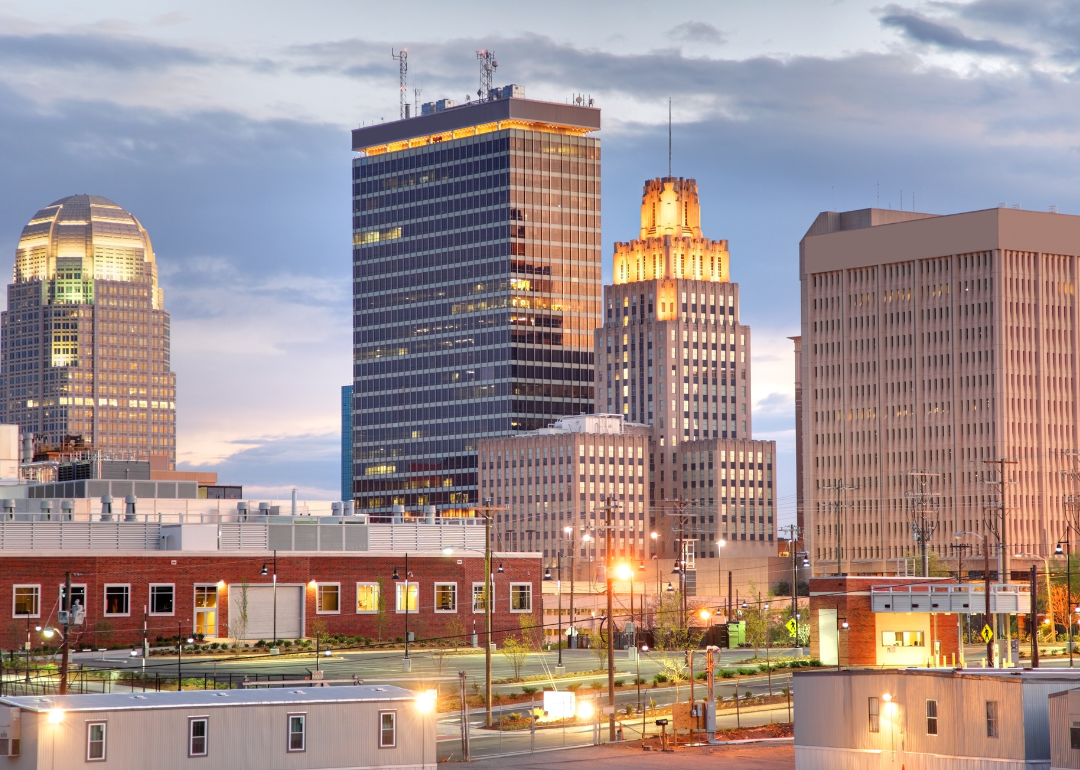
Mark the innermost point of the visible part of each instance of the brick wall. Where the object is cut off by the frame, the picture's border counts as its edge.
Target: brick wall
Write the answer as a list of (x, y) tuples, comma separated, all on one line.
[(139, 570)]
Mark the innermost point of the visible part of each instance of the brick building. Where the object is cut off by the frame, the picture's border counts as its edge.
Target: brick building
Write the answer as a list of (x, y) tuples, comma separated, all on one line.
[(876, 638), (194, 578)]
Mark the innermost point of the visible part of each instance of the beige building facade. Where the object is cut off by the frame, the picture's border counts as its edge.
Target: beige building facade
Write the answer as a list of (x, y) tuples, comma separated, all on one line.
[(86, 337), (563, 476), (932, 347)]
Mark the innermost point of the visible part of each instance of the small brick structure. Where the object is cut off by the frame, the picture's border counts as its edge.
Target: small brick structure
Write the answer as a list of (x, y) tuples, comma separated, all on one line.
[(228, 573), (920, 635)]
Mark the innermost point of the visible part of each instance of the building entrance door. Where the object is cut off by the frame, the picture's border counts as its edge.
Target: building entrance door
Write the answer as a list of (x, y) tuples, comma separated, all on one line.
[(206, 602)]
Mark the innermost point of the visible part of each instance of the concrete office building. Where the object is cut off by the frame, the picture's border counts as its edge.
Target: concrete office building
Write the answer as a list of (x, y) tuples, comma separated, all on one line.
[(346, 442), (476, 268), (936, 345), (86, 335), (560, 476), (673, 353)]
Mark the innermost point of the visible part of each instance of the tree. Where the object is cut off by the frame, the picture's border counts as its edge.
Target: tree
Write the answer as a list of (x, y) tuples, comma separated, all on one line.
[(238, 615), (672, 664), (455, 632), (672, 630), (516, 653), (531, 631), (380, 607), (598, 647), (319, 630), (757, 627)]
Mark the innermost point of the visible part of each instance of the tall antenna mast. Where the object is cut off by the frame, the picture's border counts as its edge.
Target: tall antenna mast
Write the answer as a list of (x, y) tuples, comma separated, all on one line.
[(488, 65), (669, 136), (402, 58)]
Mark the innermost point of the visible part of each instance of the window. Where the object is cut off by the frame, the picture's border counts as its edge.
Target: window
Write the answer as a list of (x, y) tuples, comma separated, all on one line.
[(875, 715), (387, 729), (991, 719), (446, 597), (902, 639), (521, 597), (26, 602), (367, 597), (162, 598), (296, 732), (197, 729), (413, 594), (117, 599), (327, 598), (95, 741), (931, 717), (78, 597), (1074, 735), (478, 603)]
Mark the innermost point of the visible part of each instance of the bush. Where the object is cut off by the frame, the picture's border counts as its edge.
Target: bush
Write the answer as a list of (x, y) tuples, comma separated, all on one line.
[(574, 687), (629, 710), (641, 680), (619, 683), (726, 674), (652, 703), (529, 690), (702, 675), (659, 678), (514, 716), (595, 685), (763, 667), (813, 662), (746, 671)]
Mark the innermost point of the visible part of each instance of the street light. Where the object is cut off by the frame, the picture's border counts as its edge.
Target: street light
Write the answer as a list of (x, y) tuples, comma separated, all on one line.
[(408, 666), (273, 650), (558, 591), (569, 531)]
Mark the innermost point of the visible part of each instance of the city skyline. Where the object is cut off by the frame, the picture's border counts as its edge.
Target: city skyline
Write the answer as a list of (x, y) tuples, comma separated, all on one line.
[(247, 135)]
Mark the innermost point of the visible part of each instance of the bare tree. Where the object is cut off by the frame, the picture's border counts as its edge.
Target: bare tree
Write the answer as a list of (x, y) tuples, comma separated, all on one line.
[(238, 612), (516, 653)]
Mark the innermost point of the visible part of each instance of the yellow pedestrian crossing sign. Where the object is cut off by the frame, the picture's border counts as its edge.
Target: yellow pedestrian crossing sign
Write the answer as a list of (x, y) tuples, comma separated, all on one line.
[(987, 634), (791, 626)]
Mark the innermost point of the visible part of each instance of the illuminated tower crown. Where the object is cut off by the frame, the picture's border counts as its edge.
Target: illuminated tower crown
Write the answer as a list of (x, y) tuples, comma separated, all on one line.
[(670, 244)]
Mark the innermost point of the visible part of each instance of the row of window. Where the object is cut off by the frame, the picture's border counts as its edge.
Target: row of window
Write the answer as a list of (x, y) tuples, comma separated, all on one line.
[(26, 598), (992, 721), (198, 733)]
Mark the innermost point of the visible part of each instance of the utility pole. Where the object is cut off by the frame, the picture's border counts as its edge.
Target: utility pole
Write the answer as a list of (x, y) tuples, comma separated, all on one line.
[(486, 510), (999, 527), (793, 538), (838, 505), (609, 570), (1034, 621), (922, 529)]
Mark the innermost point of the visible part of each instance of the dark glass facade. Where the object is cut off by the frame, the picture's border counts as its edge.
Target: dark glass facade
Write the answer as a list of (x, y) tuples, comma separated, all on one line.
[(476, 268)]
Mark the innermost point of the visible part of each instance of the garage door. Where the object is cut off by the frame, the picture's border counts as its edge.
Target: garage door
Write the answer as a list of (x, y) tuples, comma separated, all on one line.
[(260, 625)]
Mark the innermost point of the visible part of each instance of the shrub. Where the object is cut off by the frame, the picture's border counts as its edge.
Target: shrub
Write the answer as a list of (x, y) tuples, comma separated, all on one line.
[(746, 671), (726, 674), (813, 662), (652, 703), (573, 687), (659, 678), (629, 710), (641, 680), (260, 643), (702, 675), (514, 716), (619, 683), (529, 690), (595, 685)]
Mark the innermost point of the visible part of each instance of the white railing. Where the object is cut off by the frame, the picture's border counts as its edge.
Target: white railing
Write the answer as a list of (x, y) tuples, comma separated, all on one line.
[(961, 598)]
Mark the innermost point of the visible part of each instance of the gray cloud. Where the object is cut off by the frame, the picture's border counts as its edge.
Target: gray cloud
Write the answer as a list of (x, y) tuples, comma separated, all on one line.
[(110, 52), (923, 30), (1050, 24), (696, 32)]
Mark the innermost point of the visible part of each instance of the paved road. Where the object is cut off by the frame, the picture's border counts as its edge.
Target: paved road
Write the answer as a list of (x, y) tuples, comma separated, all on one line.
[(629, 756)]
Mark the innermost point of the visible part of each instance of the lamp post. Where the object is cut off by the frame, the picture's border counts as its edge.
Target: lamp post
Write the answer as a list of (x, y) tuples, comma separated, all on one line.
[(1034, 603), (558, 591), (573, 632), (405, 602), (841, 623), (986, 590), (644, 590), (273, 650), (1068, 589)]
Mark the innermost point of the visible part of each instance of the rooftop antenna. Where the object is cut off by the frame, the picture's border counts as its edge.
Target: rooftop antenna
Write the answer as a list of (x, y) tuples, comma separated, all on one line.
[(488, 65), (402, 58), (669, 136), (416, 100)]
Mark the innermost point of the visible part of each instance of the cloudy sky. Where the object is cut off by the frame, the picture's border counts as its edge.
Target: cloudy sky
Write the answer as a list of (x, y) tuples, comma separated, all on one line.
[(224, 127)]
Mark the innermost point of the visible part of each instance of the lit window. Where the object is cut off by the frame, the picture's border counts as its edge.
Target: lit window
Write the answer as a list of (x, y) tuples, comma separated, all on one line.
[(296, 732), (478, 595), (327, 598), (446, 597), (521, 597), (902, 639), (197, 734), (27, 601), (95, 741), (875, 715), (411, 600), (367, 597), (117, 599), (387, 729)]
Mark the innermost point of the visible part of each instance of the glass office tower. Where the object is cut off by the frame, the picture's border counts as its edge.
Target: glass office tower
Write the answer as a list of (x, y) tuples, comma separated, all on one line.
[(346, 442), (476, 269)]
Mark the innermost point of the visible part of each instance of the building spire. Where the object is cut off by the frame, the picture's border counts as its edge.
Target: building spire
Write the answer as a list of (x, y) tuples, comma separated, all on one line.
[(669, 136)]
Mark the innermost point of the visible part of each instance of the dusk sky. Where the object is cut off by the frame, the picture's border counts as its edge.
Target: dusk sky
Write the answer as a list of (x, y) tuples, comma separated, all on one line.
[(224, 127)]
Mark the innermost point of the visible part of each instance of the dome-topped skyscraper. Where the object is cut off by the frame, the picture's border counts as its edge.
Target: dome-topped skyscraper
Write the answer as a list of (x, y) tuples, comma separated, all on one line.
[(86, 336)]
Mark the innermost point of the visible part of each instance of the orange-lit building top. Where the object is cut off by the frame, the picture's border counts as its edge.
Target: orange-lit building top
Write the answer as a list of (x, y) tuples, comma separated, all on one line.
[(670, 244)]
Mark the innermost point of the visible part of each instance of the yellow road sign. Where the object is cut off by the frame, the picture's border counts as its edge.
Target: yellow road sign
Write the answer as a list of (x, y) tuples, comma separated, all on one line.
[(791, 626), (987, 634)]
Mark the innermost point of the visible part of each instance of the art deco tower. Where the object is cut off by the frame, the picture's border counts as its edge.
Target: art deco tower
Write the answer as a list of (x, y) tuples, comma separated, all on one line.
[(673, 354), (86, 336)]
